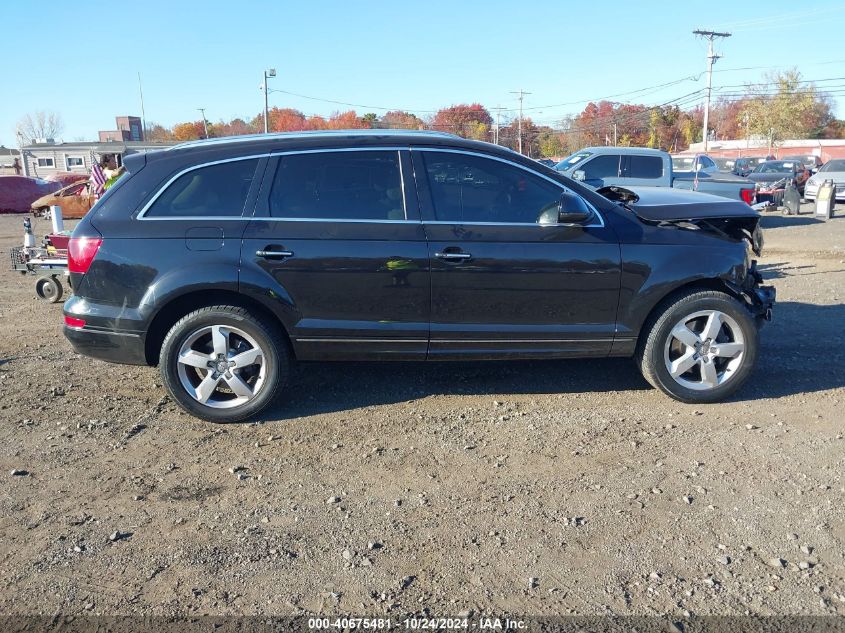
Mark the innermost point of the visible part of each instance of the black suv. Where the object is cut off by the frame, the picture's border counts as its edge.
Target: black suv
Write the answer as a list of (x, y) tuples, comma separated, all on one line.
[(225, 260)]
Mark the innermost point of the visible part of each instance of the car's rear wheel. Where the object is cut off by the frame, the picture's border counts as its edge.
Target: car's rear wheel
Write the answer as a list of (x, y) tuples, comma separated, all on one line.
[(222, 364), (700, 347)]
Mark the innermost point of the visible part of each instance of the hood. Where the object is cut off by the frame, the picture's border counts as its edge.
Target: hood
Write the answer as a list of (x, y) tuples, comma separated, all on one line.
[(690, 209), (659, 204), (769, 177)]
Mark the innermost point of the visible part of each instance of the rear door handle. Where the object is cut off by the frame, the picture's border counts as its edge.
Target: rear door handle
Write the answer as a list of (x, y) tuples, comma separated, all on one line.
[(448, 255), (274, 254)]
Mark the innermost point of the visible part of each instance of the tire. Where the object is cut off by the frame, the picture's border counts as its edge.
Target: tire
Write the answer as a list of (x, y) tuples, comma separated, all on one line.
[(212, 387), (701, 374), (49, 289)]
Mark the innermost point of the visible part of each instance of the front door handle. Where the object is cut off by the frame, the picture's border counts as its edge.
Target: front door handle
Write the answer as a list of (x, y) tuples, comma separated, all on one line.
[(453, 256), (274, 254)]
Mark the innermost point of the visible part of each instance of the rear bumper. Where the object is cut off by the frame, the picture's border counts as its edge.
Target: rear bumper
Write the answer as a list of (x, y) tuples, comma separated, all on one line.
[(116, 347)]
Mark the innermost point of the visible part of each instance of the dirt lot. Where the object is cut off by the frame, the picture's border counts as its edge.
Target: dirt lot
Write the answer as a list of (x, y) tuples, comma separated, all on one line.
[(532, 488)]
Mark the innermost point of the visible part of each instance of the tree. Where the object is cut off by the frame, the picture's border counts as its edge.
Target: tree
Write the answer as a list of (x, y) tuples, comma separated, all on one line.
[(401, 120), (784, 106), (190, 131), (158, 133), (371, 118), (286, 120), (345, 121), (550, 142), (235, 127), (469, 121), (39, 125)]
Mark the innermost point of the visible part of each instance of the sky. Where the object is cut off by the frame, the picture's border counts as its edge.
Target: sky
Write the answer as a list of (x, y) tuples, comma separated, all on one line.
[(409, 55)]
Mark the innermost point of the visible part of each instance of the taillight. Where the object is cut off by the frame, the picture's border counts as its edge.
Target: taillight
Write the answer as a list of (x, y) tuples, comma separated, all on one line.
[(81, 252), (74, 322), (747, 195)]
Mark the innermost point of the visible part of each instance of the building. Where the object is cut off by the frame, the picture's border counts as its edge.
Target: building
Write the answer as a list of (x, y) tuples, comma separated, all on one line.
[(10, 161), (825, 148), (41, 160), (129, 128)]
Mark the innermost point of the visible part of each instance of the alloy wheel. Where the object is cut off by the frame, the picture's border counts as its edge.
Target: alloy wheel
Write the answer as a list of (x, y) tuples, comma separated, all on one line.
[(221, 366), (704, 350)]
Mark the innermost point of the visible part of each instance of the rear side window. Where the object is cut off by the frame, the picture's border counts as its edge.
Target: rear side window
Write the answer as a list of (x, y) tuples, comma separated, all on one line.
[(218, 190), (642, 167), (605, 166), (357, 185)]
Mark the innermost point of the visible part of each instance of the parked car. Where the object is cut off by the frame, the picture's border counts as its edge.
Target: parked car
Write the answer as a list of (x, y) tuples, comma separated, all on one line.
[(548, 162), (692, 163), (810, 161), (832, 170), (75, 200), (225, 260), (754, 161), (774, 170), (18, 192), (637, 166), (737, 166)]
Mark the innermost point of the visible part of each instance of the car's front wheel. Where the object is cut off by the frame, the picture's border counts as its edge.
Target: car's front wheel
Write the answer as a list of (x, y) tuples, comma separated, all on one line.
[(700, 348), (222, 364)]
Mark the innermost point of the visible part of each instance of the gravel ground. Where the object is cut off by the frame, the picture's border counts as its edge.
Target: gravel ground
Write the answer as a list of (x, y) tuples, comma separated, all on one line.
[(528, 487)]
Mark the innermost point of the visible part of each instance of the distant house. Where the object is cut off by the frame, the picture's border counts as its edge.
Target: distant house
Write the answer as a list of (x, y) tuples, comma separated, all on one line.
[(10, 161), (49, 157)]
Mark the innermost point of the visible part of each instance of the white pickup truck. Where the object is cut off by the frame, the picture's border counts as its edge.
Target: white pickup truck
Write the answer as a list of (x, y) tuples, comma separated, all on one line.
[(638, 166)]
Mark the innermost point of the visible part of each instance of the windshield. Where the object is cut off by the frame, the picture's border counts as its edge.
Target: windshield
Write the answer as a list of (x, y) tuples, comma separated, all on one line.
[(568, 163), (773, 167), (683, 163), (725, 164), (833, 165)]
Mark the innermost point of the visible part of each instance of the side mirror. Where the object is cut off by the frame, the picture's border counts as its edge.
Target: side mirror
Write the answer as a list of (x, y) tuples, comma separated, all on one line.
[(579, 174), (573, 209)]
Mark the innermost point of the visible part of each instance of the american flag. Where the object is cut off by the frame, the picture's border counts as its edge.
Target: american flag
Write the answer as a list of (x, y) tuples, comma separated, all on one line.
[(98, 179)]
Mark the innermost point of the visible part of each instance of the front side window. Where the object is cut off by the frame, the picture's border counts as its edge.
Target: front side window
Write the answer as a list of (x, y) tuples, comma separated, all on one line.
[(357, 185), (218, 190), (605, 166), (467, 188)]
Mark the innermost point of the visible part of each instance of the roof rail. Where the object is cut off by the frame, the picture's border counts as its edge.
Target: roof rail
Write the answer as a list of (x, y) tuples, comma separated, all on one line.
[(246, 138)]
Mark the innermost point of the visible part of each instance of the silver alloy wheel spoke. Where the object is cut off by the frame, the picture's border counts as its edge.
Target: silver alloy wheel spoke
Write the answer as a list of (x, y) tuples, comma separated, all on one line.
[(220, 340), (238, 386), (713, 327), (685, 335), (695, 357), (245, 359), (727, 350), (207, 386), (683, 364), (193, 358), (709, 375)]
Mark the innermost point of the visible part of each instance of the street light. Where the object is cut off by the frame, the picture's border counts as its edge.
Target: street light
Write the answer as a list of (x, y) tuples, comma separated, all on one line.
[(270, 72)]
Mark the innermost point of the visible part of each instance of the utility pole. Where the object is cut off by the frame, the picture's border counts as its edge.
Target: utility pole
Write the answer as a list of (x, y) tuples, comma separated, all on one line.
[(498, 110), (615, 143), (521, 94), (270, 72), (711, 59), (204, 122), (143, 117)]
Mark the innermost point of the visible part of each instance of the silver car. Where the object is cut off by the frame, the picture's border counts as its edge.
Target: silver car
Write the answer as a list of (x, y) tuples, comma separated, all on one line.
[(832, 170)]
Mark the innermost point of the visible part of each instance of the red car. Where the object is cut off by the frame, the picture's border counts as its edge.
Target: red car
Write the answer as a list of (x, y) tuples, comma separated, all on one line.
[(17, 193)]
